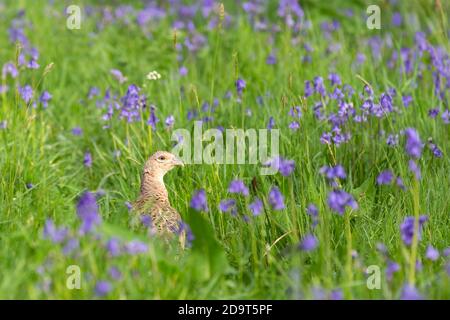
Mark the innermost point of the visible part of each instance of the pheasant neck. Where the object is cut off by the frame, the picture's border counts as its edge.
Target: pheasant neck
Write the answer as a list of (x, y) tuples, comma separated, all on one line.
[(153, 187)]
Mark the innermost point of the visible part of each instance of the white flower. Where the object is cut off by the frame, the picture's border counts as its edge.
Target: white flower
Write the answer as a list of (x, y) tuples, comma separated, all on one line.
[(153, 75)]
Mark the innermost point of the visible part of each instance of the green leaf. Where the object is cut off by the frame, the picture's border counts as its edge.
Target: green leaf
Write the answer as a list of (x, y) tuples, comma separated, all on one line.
[(207, 256)]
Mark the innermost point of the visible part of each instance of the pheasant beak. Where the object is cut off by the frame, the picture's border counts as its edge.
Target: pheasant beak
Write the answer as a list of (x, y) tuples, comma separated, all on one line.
[(177, 162)]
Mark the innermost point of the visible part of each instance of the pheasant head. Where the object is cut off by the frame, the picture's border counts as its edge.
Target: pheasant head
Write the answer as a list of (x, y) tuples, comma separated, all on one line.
[(155, 168)]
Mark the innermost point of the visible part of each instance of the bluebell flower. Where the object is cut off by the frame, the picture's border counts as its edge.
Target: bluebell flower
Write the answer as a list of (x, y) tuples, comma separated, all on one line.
[(409, 292), (309, 243), (407, 229), (339, 199), (26, 93), (432, 253), (102, 288), (136, 247), (238, 186), (385, 177), (45, 98), (87, 211), (228, 205), (256, 207), (240, 85), (87, 161), (113, 247), (56, 235), (199, 201), (413, 143), (276, 199)]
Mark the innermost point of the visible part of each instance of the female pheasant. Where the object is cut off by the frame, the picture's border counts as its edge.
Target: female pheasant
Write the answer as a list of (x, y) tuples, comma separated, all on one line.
[(153, 199)]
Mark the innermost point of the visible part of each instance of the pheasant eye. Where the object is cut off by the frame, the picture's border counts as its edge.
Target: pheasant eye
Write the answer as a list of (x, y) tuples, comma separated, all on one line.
[(162, 158)]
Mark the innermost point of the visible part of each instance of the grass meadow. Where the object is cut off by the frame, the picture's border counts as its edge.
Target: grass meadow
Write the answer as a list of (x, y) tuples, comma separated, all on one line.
[(360, 209)]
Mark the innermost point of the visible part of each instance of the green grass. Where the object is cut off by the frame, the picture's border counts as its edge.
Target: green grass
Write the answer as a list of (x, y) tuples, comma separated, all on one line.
[(230, 258)]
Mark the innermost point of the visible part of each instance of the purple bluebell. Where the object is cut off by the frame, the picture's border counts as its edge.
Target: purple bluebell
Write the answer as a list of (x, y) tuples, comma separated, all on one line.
[(87, 161), (392, 140), (385, 177), (433, 113), (334, 79), (295, 112), (381, 247), (192, 114), (318, 293), (407, 229), (51, 232), (308, 243), (331, 173), (360, 58), (238, 186), (319, 86), (413, 143), (102, 288), (115, 273), (184, 227), (313, 212), (286, 166), (396, 19), (386, 103), (399, 183), (294, 125), (308, 89), (240, 85), (153, 119), (128, 205), (228, 205), (446, 116), (409, 292), (406, 99), (77, 131), (170, 120), (9, 68), (87, 211), (32, 64), (415, 169), (146, 220), (183, 71), (256, 207), (118, 75), (271, 59), (271, 123), (336, 294), (446, 252), (326, 138), (135, 247), (391, 268), (45, 98), (339, 199), (435, 150), (113, 247), (432, 253), (276, 199), (26, 93), (93, 92), (199, 201), (70, 246)]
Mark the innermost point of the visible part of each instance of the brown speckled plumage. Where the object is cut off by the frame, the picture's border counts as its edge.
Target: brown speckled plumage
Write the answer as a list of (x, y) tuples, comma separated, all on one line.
[(153, 198)]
